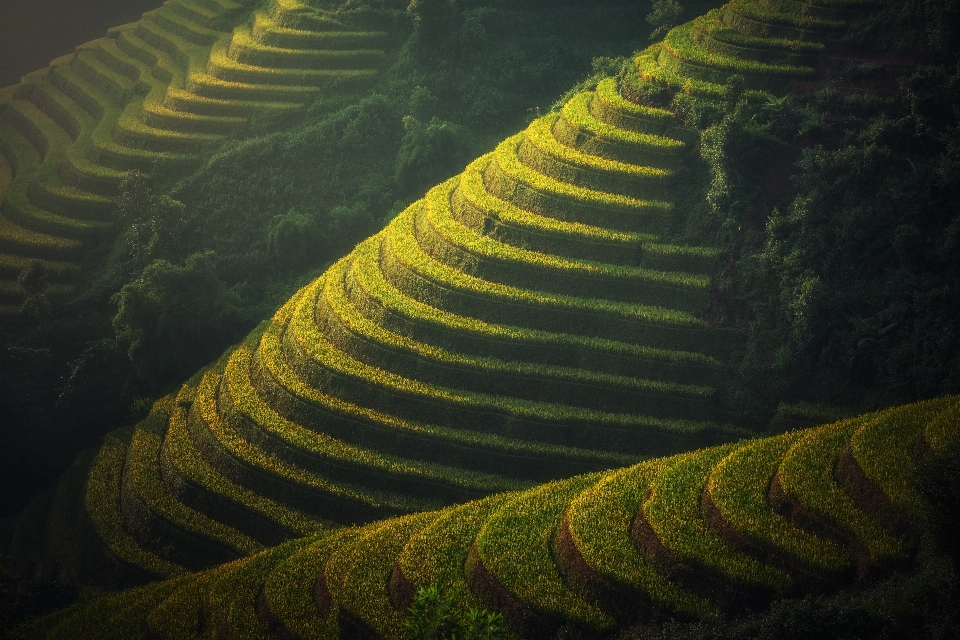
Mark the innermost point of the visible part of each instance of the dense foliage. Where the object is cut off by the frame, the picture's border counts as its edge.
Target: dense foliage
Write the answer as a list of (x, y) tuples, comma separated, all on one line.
[(268, 214), (852, 284)]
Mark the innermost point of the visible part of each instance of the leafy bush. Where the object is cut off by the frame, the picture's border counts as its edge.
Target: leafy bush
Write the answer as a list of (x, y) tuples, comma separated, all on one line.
[(433, 616), (163, 317), (430, 152)]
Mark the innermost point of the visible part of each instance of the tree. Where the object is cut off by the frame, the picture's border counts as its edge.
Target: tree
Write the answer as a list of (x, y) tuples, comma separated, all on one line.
[(153, 223), (665, 15), (166, 317), (33, 281)]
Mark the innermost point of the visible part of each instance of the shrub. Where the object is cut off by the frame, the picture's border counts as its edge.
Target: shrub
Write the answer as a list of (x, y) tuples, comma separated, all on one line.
[(163, 317), (433, 616)]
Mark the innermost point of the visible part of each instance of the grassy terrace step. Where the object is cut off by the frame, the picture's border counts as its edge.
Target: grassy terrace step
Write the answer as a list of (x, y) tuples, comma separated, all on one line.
[(380, 302), (91, 68), (288, 593), (415, 273), (103, 150), (173, 21), (115, 616), (188, 537), (49, 142), (185, 57), (512, 559), (363, 595), (437, 554), (194, 12), (611, 108), (362, 426), (686, 547), (268, 32), (231, 599), (162, 117), (542, 152), (371, 344), (750, 18), (225, 68), (196, 484), (737, 490), (245, 49), (319, 362), (185, 102), (103, 503), (651, 72), (12, 265), (557, 554), (941, 435), (580, 129), (475, 208), (682, 54), (715, 37), (883, 451), (289, 441), (167, 68), (180, 614), (809, 492), (455, 245), (19, 241), (208, 86), (601, 560), (287, 483), (68, 115)]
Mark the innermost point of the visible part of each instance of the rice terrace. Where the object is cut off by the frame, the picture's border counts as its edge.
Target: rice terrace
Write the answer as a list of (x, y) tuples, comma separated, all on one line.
[(476, 319)]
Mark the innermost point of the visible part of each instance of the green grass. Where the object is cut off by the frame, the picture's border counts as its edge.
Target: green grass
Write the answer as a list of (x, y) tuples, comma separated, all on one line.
[(423, 477), (599, 520), (673, 512), (142, 479), (230, 603), (738, 487), (376, 346), (499, 219), (571, 165), (511, 180), (515, 545), (806, 475), (103, 507), (447, 241), (381, 302), (550, 422), (611, 108), (461, 447), (194, 481), (289, 587), (941, 433), (436, 554), (884, 450), (288, 484), (267, 31), (363, 591), (245, 49), (684, 56), (223, 67)]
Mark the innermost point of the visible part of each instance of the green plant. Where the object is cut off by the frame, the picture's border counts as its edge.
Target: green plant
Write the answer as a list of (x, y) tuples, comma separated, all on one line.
[(433, 616)]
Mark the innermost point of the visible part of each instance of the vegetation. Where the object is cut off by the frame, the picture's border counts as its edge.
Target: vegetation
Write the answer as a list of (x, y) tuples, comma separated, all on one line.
[(743, 222), (529, 559)]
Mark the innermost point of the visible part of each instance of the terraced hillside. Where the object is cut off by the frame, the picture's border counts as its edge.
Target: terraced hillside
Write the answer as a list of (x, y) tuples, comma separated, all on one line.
[(717, 530), (164, 92), (525, 321), (522, 322)]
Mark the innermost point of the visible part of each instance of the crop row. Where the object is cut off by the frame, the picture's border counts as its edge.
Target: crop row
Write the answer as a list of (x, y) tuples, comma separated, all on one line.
[(596, 552)]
